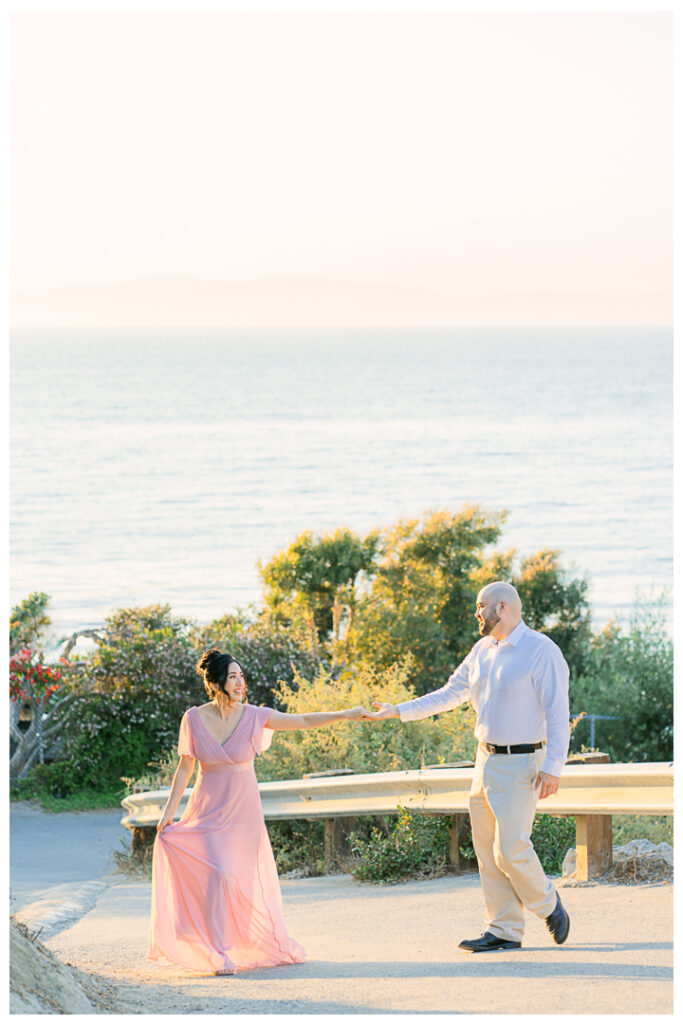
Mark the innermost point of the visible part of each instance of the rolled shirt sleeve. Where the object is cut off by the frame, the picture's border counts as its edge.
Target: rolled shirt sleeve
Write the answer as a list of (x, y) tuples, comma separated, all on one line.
[(455, 692), (551, 681)]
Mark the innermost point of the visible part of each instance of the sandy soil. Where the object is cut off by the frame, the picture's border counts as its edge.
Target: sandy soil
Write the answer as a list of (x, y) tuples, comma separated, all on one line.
[(40, 983)]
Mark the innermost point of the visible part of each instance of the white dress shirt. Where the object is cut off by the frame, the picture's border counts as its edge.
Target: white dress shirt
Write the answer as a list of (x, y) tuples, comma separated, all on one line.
[(519, 688)]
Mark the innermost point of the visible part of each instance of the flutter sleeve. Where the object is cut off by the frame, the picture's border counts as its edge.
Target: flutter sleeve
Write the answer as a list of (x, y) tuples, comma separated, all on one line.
[(185, 743), (261, 737)]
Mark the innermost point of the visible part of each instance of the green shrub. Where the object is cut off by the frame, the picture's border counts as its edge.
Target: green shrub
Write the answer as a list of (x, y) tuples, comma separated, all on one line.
[(59, 778), (107, 736), (58, 787), (363, 746), (298, 845), (658, 829), (133, 688), (552, 837), (413, 846), (28, 622)]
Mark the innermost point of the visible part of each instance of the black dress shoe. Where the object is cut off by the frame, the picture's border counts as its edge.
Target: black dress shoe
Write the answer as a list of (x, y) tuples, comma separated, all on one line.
[(558, 923), (487, 943)]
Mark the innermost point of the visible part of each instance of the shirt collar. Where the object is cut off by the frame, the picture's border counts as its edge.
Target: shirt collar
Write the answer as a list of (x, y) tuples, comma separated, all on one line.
[(514, 637)]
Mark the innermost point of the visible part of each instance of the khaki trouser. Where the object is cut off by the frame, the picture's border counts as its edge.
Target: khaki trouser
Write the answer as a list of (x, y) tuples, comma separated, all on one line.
[(502, 807)]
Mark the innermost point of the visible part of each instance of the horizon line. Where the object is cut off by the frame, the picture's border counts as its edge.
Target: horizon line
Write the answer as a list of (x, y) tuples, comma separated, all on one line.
[(336, 326)]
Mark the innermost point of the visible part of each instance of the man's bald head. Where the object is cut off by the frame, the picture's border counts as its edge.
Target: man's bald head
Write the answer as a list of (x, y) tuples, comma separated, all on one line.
[(499, 590), (499, 609)]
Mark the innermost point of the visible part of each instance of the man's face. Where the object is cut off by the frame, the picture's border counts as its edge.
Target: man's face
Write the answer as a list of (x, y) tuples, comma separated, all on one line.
[(486, 614)]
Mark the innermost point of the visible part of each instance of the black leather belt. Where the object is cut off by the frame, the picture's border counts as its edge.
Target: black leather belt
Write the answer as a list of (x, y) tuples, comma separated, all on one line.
[(516, 748)]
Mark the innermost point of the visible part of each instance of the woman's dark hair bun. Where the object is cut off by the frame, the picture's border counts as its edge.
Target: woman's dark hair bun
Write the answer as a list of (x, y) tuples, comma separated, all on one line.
[(207, 658), (213, 668)]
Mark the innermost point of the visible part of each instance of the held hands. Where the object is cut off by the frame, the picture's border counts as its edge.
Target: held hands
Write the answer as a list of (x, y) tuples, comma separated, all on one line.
[(355, 714), (548, 784), (385, 711), (359, 713)]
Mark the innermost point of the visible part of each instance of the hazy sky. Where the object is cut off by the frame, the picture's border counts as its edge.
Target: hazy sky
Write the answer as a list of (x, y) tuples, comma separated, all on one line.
[(466, 153)]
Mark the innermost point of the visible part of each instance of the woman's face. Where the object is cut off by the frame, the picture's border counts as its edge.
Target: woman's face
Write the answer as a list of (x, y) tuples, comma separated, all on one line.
[(234, 684)]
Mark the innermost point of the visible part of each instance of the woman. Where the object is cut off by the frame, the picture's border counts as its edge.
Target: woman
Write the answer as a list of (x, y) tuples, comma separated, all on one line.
[(216, 903)]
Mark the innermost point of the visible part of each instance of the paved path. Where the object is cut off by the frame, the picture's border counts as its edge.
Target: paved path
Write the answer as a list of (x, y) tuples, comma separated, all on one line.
[(393, 949), (59, 851)]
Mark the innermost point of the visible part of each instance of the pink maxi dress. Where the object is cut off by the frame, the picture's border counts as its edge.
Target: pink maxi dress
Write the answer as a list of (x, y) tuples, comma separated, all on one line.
[(216, 901)]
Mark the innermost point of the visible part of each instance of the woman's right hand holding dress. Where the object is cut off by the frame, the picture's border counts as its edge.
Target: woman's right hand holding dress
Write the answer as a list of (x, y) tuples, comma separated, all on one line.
[(165, 819)]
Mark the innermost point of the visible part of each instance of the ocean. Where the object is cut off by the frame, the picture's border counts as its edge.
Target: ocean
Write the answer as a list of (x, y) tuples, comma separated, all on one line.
[(160, 466)]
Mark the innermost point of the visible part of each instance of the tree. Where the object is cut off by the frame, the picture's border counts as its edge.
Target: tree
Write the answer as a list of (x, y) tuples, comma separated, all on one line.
[(557, 605), (32, 685), (28, 621), (420, 581), (315, 579), (629, 675), (422, 595)]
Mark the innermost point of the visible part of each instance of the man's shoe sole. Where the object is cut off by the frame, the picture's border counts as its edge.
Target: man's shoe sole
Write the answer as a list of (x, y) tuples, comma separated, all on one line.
[(492, 949)]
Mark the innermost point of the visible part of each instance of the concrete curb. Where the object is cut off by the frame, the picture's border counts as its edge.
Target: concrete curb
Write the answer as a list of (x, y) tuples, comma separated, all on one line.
[(61, 907)]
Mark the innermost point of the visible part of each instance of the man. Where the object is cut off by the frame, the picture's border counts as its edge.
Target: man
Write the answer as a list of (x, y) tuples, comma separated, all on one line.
[(518, 683)]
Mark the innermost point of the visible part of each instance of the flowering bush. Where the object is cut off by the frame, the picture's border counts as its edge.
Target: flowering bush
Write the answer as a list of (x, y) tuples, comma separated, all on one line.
[(132, 689), (31, 681), (34, 684), (130, 694), (269, 652)]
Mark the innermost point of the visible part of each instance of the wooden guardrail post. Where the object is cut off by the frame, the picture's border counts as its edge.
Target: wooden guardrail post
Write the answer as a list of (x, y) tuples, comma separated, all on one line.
[(336, 850), (593, 845), (336, 837), (593, 832), (457, 862), (142, 842)]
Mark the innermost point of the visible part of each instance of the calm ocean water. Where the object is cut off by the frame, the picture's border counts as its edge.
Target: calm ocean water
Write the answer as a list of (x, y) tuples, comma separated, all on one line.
[(159, 466)]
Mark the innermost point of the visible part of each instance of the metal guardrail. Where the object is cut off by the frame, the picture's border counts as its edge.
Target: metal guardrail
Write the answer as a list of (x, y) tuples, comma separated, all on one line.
[(591, 793), (585, 789)]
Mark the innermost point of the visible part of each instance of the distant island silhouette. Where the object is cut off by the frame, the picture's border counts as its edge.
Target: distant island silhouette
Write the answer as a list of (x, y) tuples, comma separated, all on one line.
[(300, 302)]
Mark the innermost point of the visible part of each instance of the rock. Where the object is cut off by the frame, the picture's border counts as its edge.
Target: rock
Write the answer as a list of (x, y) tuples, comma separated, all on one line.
[(637, 861), (569, 863), (643, 861)]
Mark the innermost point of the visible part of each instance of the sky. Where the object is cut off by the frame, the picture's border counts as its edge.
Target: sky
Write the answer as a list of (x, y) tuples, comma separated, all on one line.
[(474, 155)]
